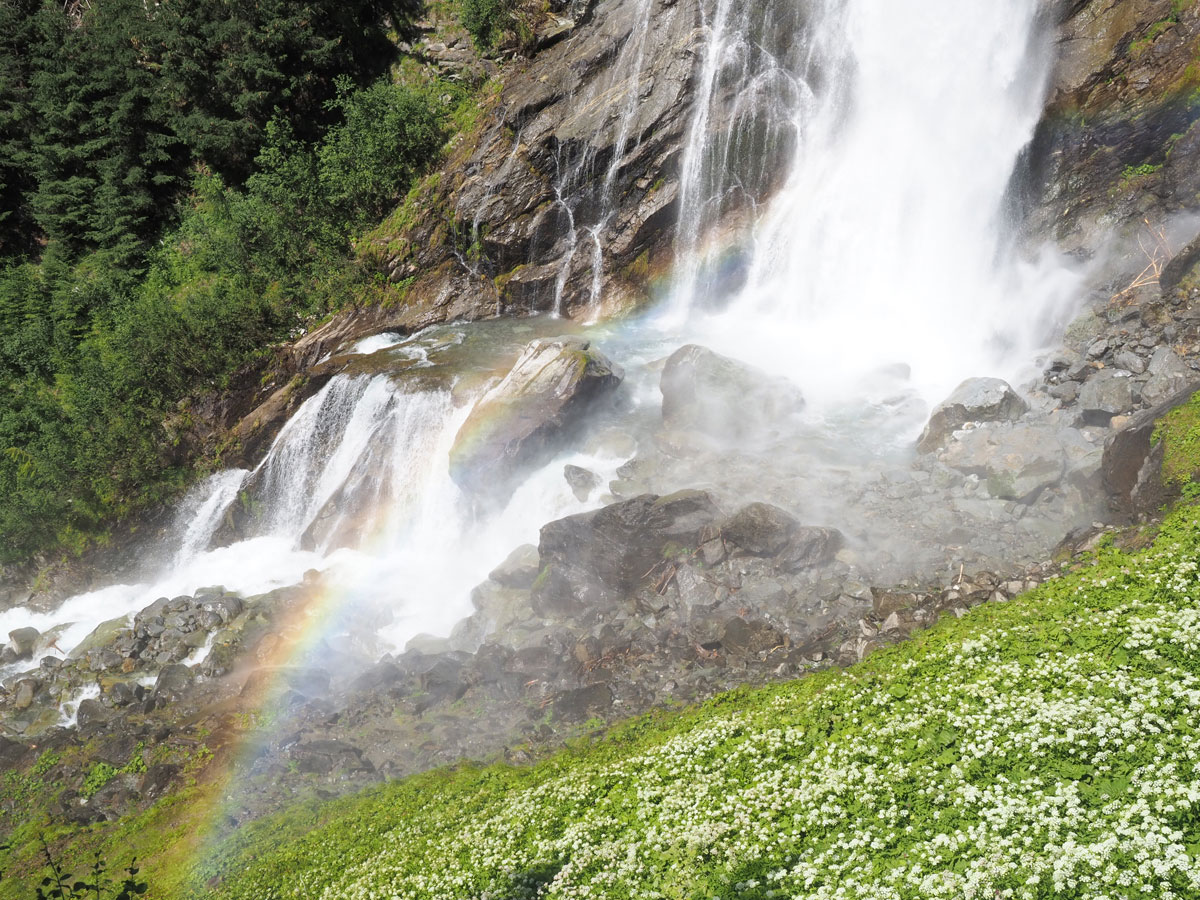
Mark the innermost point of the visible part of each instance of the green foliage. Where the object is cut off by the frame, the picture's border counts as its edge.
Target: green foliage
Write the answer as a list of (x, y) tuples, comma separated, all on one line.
[(18, 32), (388, 135), (96, 884), (487, 20), (1179, 430), (1131, 172), (101, 339), (45, 763), (1044, 747), (100, 775)]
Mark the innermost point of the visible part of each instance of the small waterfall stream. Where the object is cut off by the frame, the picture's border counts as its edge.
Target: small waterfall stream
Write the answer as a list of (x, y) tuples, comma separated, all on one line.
[(585, 184), (842, 182)]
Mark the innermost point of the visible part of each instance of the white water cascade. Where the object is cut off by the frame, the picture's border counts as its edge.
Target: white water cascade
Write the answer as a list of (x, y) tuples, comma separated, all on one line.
[(886, 244), (841, 211)]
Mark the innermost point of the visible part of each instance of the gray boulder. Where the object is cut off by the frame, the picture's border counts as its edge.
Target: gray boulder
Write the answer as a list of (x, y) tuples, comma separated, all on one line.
[(760, 529), (721, 398), (1017, 461), (519, 569), (519, 423), (810, 546), (1130, 361), (593, 559), (582, 481), (975, 400), (91, 716), (24, 692), (1106, 394), (1168, 375), (226, 608), (24, 641), (173, 683)]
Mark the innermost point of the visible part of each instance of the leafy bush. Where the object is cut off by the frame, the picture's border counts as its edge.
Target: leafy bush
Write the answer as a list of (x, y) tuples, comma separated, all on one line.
[(487, 20)]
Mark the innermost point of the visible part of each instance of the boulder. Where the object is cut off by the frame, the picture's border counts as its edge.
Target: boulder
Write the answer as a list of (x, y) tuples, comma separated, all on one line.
[(101, 637), (808, 547), (1130, 362), (173, 683), (227, 607), (582, 481), (1017, 461), (24, 641), (519, 569), (975, 400), (1106, 394), (760, 529), (1168, 376), (24, 693), (522, 420), (721, 398), (91, 716), (595, 558)]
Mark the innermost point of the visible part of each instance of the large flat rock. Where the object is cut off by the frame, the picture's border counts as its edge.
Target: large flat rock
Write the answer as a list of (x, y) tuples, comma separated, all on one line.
[(521, 422)]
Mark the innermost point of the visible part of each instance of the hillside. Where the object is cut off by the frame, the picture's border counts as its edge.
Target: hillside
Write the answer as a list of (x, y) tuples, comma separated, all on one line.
[(599, 448)]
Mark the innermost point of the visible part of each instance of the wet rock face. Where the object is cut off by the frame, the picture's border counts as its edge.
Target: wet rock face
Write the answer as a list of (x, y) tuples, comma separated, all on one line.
[(723, 399), (975, 400), (1119, 140), (511, 430), (521, 219), (593, 559)]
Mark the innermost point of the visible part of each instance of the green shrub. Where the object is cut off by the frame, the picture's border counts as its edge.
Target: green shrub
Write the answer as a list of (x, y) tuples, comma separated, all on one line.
[(487, 20), (1180, 431)]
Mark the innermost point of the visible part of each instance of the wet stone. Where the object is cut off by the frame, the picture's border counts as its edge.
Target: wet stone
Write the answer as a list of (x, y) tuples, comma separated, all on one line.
[(760, 528), (24, 641), (226, 607), (582, 481), (173, 683), (91, 715), (24, 693), (975, 400), (1103, 396), (1130, 362)]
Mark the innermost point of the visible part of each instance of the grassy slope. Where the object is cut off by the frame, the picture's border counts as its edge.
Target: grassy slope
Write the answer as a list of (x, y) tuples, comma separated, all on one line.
[(1044, 747)]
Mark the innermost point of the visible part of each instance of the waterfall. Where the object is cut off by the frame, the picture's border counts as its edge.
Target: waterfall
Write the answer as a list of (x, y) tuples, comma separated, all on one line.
[(842, 182), (884, 243), (754, 91), (201, 511), (584, 189)]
